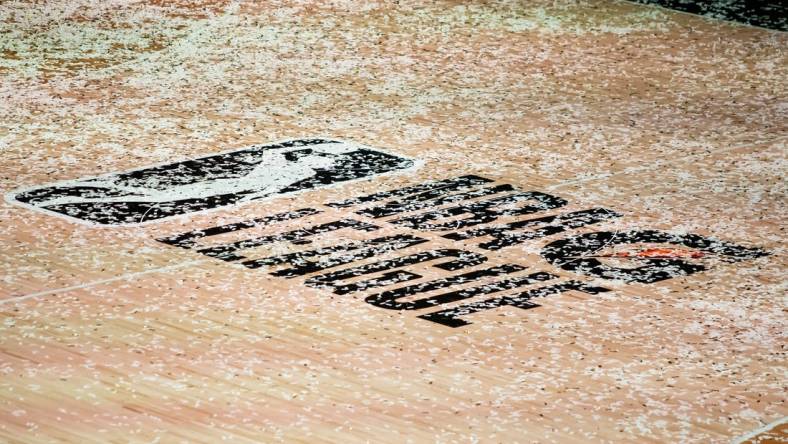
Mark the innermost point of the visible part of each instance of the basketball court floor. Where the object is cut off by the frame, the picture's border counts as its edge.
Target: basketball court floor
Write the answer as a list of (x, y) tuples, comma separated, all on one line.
[(390, 221)]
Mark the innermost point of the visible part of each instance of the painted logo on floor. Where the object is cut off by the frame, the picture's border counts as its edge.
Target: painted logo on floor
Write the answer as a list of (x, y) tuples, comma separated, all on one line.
[(443, 235), (435, 245), (205, 183)]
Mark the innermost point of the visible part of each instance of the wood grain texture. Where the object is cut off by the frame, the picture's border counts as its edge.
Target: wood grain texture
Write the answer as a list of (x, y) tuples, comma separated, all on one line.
[(677, 123)]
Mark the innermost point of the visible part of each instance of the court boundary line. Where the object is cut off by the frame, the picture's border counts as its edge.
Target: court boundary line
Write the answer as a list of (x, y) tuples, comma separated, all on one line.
[(101, 281), (759, 430), (662, 162)]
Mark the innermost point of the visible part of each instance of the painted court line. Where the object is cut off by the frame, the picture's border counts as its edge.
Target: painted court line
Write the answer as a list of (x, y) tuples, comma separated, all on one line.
[(102, 281), (760, 430), (638, 169)]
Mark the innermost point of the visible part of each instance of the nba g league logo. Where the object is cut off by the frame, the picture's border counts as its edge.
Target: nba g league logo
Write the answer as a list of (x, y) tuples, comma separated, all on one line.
[(477, 213)]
